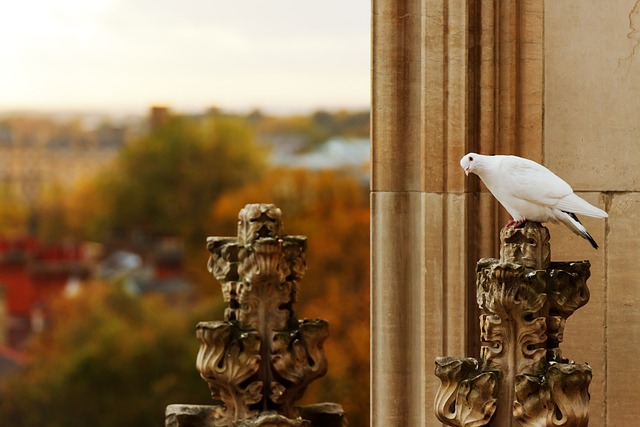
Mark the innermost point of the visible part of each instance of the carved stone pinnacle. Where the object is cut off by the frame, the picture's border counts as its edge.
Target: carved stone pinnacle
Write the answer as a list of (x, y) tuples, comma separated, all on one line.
[(527, 245), (520, 378), (259, 360)]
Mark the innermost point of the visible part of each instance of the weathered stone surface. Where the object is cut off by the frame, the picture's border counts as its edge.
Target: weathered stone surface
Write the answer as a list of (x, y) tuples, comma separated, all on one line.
[(558, 396), (521, 374), (272, 419), (324, 415), (528, 246), (468, 393), (189, 415), (588, 113), (623, 311), (259, 360), (591, 122)]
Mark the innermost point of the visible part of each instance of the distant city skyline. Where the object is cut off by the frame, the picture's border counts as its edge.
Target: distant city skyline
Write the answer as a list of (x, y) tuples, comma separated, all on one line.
[(121, 56)]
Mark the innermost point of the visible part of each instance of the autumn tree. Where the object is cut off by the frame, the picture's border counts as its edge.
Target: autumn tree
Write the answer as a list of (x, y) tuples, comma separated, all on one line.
[(332, 209), (110, 359)]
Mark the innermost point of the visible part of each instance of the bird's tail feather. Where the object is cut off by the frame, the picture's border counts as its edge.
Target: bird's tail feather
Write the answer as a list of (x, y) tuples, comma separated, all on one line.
[(577, 205), (573, 223)]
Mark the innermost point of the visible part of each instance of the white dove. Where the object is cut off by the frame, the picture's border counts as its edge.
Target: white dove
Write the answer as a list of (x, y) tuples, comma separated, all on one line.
[(529, 191)]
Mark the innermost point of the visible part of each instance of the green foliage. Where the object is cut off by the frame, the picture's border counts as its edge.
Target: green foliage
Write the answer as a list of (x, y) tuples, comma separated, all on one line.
[(164, 183), (110, 360)]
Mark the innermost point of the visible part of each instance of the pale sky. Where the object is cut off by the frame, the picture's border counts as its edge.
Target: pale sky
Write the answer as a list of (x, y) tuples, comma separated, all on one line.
[(113, 55)]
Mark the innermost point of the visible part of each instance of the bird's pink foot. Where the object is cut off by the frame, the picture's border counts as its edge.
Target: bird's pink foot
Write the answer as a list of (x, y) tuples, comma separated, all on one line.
[(515, 224)]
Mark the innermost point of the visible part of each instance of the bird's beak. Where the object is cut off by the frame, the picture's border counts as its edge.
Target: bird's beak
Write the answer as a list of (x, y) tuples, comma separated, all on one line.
[(466, 171)]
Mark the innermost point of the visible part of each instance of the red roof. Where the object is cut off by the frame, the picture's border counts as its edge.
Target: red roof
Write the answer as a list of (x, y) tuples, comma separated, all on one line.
[(15, 356)]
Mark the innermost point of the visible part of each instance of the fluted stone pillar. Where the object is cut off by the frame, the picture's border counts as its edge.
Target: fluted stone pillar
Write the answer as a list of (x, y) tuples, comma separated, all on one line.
[(418, 206), (448, 77)]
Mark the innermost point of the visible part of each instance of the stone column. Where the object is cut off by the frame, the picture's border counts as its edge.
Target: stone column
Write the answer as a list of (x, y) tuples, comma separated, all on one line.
[(521, 378), (260, 359), (448, 77), (419, 126)]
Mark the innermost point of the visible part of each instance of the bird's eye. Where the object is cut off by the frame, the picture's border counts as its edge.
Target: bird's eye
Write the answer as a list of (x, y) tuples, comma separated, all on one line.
[(470, 159)]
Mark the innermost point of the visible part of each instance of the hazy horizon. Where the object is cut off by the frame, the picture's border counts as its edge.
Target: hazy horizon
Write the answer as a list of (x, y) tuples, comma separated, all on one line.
[(122, 112), (118, 57)]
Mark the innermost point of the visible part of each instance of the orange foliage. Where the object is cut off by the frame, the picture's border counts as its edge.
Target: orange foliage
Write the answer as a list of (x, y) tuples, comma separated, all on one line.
[(332, 209)]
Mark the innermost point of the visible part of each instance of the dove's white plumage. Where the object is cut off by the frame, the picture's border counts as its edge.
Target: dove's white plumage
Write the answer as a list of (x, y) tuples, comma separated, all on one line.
[(529, 191)]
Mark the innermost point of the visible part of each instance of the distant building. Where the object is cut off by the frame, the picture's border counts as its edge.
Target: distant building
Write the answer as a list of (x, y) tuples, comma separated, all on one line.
[(36, 152), (30, 275), (156, 267), (336, 153), (158, 116)]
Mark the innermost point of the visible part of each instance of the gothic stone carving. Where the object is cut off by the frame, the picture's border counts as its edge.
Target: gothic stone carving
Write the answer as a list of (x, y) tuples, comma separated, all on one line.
[(259, 361), (556, 397), (467, 396), (525, 301)]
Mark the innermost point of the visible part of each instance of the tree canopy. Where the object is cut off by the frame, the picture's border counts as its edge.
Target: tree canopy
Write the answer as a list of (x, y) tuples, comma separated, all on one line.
[(165, 183)]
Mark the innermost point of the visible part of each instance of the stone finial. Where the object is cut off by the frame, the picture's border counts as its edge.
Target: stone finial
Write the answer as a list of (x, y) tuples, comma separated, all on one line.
[(260, 359), (525, 300), (258, 220), (527, 245)]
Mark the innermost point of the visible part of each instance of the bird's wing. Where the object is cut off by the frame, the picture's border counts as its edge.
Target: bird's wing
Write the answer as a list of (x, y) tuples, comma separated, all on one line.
[(527, 180)]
